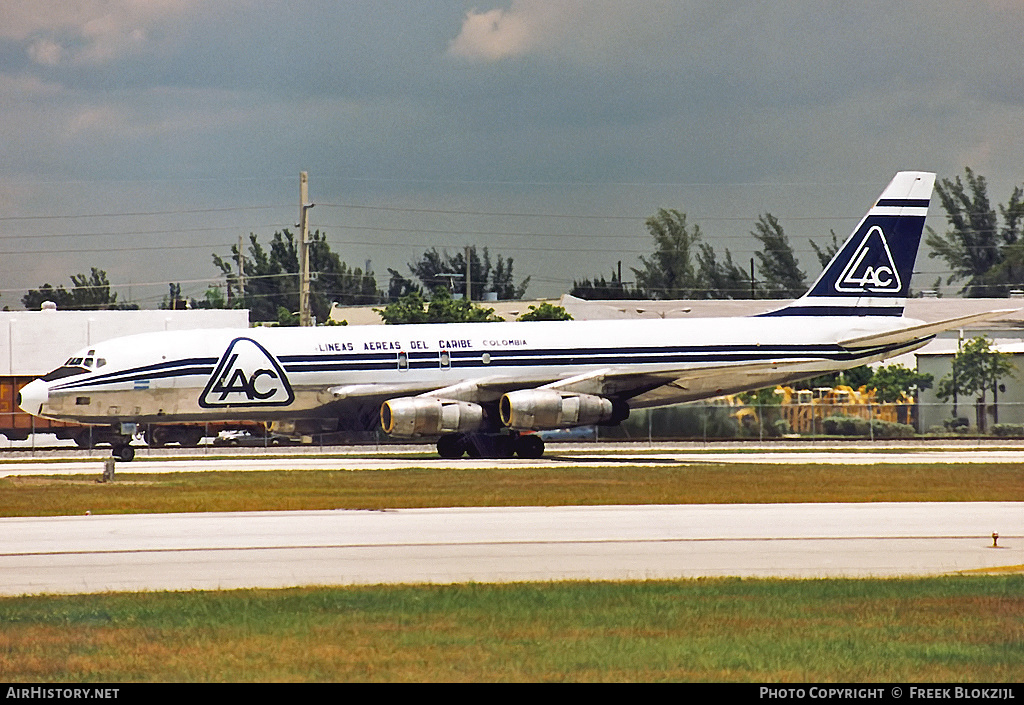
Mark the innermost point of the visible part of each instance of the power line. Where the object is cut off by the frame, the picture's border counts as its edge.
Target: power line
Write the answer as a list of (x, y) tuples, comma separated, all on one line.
[(137, 214)]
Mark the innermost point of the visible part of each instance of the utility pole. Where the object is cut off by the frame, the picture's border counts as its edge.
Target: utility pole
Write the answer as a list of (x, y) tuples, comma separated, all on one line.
[(305, 317), (469, 282), (241, 271)]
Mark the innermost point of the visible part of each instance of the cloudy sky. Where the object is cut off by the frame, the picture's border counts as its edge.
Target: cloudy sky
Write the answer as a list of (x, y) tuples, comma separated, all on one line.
[(141, 136)]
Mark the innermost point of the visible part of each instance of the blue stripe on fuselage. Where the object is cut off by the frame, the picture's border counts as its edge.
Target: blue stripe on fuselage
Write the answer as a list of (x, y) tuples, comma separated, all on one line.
[(547, 357), (161, 370)]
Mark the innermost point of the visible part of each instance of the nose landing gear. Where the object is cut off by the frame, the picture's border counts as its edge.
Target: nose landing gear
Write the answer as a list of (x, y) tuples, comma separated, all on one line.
[(124, 453)]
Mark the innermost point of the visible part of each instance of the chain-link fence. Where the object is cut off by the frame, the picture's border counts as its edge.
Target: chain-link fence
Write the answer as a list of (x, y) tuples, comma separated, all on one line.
[(735, 421), (711, 420)]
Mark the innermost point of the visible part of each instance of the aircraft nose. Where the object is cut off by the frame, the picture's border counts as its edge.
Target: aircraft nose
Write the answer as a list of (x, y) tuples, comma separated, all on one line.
[(32, 397)]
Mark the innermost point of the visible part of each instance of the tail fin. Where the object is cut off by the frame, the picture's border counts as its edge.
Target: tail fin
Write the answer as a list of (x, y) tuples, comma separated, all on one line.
[(870, 275)]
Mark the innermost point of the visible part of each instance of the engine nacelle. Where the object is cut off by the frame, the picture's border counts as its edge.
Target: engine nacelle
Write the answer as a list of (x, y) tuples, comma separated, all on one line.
[(545, 409), (422, 416)]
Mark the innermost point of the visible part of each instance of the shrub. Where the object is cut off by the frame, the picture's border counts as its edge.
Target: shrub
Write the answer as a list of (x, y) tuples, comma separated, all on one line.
[(844, 426), (891, 429), (855, 426), (782, 427), (957, 425)]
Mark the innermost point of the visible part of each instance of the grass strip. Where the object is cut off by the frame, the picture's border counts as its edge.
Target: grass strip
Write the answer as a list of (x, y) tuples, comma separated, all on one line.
[(951, 629), (709, 483)]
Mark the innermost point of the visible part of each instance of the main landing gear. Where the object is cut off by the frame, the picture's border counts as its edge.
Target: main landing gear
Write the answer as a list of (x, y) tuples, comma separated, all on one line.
[(489, 445)]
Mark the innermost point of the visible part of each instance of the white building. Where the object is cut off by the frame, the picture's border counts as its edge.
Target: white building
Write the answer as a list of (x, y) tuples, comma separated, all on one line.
[(1005, 406), (34, 342)]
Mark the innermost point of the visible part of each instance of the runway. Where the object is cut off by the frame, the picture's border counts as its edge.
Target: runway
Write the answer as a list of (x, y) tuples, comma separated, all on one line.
[(88, 554)]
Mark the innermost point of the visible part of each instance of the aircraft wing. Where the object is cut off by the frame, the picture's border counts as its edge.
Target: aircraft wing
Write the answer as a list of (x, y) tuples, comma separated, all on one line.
[(482, 389), (923, 330), (648, 388), (704, 381)]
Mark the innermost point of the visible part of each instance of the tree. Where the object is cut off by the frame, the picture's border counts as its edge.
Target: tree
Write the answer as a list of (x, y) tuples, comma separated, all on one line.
[(439, 269), (173, 300), (826, 253), (976, 369), (213, 298), (974, 246), (545, 312), (780, 275), (855, 377), (442, 308), (272, 278), (671, 273), (399, 286), (35, 298), (598, 289), (88, 293), (723, 280), (1008, 273), (894, 381)]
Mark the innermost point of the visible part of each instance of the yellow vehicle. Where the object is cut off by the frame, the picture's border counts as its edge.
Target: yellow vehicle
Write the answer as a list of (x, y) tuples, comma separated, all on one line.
[(805, 409)]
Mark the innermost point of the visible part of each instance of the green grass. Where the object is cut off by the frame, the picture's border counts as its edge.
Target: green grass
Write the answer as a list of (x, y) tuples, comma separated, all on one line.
[(952, 629), (670, 483)]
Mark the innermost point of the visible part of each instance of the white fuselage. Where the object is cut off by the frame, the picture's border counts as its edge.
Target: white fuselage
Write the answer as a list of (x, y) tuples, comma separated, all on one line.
[(292, 373)]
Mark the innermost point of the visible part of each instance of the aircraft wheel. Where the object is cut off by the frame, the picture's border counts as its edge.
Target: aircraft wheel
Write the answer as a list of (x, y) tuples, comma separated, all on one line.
[(504, 447), (529, 447), (189, 437), (482, 445), (155, 436), (451, 446), (124, 453)]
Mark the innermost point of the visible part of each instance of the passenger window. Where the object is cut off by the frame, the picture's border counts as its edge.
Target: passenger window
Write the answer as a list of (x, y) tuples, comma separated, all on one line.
[(403, 361), (446, 360)]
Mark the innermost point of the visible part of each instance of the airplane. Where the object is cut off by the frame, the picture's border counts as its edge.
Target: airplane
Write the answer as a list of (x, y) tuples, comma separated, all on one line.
[(481, 389)]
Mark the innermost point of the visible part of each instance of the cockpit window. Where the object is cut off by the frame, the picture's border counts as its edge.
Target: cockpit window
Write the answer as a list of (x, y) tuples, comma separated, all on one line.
[(76, 366), (65, 370)]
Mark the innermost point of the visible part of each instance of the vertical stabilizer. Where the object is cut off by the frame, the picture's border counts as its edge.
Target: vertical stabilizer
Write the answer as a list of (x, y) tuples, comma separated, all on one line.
[(870, 275)]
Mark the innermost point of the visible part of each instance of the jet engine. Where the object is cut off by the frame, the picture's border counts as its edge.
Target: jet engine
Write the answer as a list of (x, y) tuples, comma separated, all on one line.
[(543, 409), (424, 416)]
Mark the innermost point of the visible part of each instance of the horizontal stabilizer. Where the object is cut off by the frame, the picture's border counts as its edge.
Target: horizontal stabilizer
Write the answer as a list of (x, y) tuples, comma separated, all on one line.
[(923, 330)]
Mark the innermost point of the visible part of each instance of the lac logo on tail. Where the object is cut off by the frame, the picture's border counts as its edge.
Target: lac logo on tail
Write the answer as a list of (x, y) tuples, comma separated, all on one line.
[(871, 269)]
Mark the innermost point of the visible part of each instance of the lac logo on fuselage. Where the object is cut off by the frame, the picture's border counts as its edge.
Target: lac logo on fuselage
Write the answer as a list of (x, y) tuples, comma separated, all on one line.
[(247, 375)]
